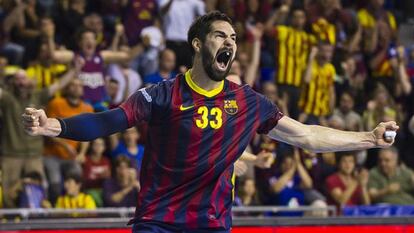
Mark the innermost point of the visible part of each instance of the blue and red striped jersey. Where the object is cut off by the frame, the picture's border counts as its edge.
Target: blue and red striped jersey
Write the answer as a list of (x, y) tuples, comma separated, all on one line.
[(194, 138)]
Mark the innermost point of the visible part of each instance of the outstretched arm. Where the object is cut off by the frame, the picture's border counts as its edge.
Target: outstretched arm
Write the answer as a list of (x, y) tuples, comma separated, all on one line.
[(83, 127), (322, 139)]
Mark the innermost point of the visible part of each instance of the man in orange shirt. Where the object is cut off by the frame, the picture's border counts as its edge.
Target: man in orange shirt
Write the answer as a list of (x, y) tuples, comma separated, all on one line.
[(62, 155)]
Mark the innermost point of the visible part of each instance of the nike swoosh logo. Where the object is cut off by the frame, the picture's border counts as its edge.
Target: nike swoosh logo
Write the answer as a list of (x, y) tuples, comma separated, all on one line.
[(182, 108)]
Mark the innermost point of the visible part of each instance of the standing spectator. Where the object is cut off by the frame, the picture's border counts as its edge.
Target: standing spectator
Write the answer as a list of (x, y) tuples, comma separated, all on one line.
[(379, 33), (391, 182), (63, 155), (93, 72), (293, 47), (138, 15), (96, 169), (166, 68), (20, 152), (347, 186), (128, 80), (44, 70), (128, 146), (318, 96), (152, 43), (176, 24), (122, 191), (73, 197)]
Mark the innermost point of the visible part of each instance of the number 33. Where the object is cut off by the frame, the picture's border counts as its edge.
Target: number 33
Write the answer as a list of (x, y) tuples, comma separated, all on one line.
[(203, 123)]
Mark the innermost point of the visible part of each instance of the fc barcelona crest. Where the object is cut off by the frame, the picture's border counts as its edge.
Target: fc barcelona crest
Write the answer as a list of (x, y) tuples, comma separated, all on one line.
[(230, 107)]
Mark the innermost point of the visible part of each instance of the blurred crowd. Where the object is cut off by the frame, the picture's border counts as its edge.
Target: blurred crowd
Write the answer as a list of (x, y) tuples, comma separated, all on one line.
[(336, 63)]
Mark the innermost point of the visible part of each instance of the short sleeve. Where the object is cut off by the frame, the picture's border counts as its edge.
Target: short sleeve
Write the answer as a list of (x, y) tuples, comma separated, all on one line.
[(89, 202), (269, 114), (138, 106), (330, 183)]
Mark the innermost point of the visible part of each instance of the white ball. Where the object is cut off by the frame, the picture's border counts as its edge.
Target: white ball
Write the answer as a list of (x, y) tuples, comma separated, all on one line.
[(390, 135)]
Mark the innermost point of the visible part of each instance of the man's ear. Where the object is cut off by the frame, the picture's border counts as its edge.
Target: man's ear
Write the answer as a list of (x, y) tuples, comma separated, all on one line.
[(196, 43)]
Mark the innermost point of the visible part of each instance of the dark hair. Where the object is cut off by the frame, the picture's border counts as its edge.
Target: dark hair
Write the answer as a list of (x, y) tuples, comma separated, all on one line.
[(34, 175), (74, 176), (122, 159), (82, 31), (340, 155), (201, 26)]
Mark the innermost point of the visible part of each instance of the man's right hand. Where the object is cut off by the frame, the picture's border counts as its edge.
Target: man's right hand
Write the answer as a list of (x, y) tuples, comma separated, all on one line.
[(36, 123)]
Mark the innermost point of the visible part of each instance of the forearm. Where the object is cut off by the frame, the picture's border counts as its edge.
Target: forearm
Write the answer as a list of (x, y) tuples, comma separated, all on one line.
[(304, 176), (83, 147), (89, 126), (254, 65), (323, 139), (403, 78), (282, 181), (347, 195), (365, 196), (248, 157), (66, 78)]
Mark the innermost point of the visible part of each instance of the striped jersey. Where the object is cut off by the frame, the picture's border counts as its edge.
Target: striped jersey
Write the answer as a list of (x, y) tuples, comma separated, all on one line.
[(194, 138), (292, 53), (316, 95)]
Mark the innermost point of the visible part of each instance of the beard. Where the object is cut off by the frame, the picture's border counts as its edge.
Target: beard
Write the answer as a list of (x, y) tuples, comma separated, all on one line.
[(208, 59)]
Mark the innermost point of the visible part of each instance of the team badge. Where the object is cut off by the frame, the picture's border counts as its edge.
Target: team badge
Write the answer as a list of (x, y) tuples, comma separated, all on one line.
[(230, 107)]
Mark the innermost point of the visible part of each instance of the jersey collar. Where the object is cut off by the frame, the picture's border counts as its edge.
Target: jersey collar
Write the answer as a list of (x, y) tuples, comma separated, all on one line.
[(200, 90)]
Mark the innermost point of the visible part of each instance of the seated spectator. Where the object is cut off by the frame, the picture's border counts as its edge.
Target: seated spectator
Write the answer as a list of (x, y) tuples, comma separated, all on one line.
[(247, 194), (30, 193), (166, 68), (96, 169), (352, 120), (122, 190), (289, 183), (347, 186), (73, 197), (391, 182), (128, 146)]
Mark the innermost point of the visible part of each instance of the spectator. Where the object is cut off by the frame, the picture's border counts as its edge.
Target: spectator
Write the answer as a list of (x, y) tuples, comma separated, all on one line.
[(94, 22), (176, 25), (96, 169), (391, 182), (18, 157), (379, 33), (347, 186), (128, 146), (13, 51), (247, 195), (73, 197), (93, 72), (352, 120), (63, 155), (138, 15), (122, 191), (318, 96), (289, 184), (128, 80), (293, 47), (29, 192), (153, 42), (166, 70), (44, 70)]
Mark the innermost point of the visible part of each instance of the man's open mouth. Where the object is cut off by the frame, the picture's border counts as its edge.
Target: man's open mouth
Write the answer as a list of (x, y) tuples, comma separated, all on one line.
[(223, 58)]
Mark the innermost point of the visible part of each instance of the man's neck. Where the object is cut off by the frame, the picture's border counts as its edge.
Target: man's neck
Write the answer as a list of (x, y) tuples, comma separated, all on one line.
[(73, 101), (200, 77)]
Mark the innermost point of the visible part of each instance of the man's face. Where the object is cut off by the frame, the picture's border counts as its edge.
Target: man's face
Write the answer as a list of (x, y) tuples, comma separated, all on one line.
[(75, 88), (325, 53), (387, 161), (88, 43), (218, 50), (167, 62), (347, 103), (298, 19)]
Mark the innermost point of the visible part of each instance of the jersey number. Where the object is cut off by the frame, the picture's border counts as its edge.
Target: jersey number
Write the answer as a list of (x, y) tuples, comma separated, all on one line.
[(204, 122)]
